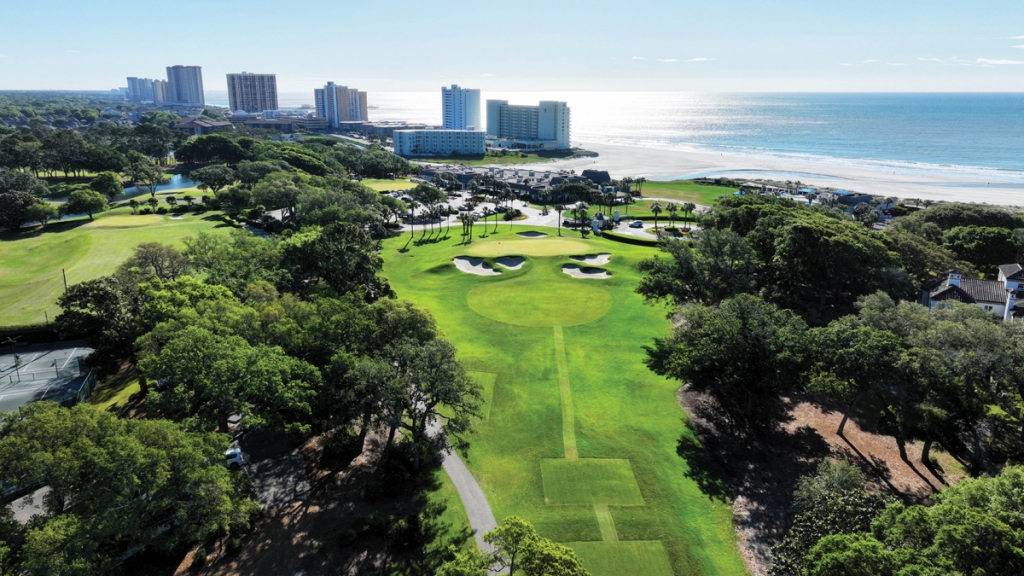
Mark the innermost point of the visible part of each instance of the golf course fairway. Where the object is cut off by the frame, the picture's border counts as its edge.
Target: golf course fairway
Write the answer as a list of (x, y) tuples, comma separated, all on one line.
[(577, 435)]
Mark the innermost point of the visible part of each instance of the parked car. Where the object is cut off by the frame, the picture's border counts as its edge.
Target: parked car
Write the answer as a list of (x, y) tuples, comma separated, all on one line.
[(233, 459), (636, 224), (500, 209)]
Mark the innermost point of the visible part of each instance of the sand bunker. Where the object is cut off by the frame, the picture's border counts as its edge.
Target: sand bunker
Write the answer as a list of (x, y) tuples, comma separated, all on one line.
[(597, 259), (577, 272), (474, 266), (531, 234), (510, 262)]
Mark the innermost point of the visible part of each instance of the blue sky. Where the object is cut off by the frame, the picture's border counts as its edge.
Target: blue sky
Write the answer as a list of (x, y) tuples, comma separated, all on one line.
[(724, 45)]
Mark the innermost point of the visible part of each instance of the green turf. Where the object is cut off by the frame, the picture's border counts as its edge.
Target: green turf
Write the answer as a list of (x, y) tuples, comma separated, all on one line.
[(31, 261), (619, 558), (621, 410), (514, 302), (486, 381), (684, 191), (589, 481), (387, 185)]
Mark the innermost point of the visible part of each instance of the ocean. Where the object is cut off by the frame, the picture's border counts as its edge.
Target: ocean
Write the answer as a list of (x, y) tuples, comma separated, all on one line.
[(970, 134)]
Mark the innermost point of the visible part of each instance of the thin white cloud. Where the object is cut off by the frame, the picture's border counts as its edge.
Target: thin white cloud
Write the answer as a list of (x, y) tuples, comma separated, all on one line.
[(488, 75), (1021, 46), (1016, 38), (668, 59), (869, 61), (1000, 62), (848, 64), (701, 59), (931, 59), (638, 58)]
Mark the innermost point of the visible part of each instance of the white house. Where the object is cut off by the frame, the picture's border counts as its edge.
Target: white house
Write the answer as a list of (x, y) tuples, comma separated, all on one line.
[(997, 296)]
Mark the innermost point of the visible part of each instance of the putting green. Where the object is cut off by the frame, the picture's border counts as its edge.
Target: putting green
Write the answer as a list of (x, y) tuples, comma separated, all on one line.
[(515, 302), (127, 221), (530, 247), (645, 557), (589, 481)]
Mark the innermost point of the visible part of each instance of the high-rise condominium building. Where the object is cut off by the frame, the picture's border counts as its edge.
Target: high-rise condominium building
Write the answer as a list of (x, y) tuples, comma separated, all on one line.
[(185, 85), (414, 142), (340, 104), (147, 90), (461, 108), (252, 92), (544, 126)]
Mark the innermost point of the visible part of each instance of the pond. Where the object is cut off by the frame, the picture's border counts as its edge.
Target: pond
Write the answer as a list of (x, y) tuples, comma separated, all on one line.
[(175, 182)]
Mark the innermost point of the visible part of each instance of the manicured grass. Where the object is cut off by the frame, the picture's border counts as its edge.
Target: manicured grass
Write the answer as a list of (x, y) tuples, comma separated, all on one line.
[(113, 392), (589, 481), (387, 185), (685, 191), (617, 558), (31, 260), (555, 364)]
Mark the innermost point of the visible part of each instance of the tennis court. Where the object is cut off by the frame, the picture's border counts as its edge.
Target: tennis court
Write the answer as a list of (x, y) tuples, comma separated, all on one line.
[(52, 372)]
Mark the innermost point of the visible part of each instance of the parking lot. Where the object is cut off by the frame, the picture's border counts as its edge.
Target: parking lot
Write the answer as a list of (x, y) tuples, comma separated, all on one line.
[(44, 372)]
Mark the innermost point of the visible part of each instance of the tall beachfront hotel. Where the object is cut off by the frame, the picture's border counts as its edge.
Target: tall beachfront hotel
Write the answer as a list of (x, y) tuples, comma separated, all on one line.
[(185, 85), (542, 127), (252, 92), (461, 108), (340, 104)]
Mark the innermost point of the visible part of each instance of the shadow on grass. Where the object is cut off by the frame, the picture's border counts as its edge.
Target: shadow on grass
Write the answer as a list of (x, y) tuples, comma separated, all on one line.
[(54, 227)]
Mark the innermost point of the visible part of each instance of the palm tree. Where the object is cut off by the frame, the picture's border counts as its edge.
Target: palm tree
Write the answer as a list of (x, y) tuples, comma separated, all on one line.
[(545, 195), (412, 217), (689, 207), (656, 209), (448, 219), (581, 212), (672, 211), (559, 208), (135, 205)]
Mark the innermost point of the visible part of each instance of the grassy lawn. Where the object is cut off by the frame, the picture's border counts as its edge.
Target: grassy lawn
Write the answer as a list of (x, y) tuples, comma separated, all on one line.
[(31, 261), (577, 435), (113, 392), (685, 191), (387, 185)]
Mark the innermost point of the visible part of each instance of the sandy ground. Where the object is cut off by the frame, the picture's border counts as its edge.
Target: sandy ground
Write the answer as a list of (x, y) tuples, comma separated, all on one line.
[(474, 266), (592, 273), (510, 262), (657, 164), (596, 259)]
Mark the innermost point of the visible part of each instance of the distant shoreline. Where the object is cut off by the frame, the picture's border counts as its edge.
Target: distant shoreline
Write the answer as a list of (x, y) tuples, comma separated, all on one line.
[(661, 164)]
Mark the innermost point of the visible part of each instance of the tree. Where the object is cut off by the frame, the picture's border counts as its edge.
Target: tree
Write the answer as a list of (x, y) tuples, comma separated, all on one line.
[(116, 487), (107, 312), (84, 202), (142, 169), (984, 247), (688, 208), (188, 200), (108, 184), (17, 181), (236, 261), (249, 173), (559, 208), (153, 202), (14, 209), (718, 266), (656, 209), (853, 360), (215, 177), (134, 205), (208, 378), (924, 259), (211, 149), (42, 212), (744, 352), (343, 256), (672, 211), (64, 150), (152, 259), (519, 549)]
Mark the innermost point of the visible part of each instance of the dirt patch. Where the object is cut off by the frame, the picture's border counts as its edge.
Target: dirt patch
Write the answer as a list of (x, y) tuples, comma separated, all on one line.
[(758, 474)]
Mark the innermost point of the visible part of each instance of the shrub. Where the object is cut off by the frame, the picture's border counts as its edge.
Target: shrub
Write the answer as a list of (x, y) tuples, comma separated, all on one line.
[(145, 211), (199, 558), (161, 210)]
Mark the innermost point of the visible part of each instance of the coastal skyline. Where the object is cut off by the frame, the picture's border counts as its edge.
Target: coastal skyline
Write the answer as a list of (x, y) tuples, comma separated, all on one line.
[(411, 46)]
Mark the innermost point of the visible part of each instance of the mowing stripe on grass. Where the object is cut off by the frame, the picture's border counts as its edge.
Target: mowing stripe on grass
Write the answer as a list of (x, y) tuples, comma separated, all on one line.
[(568, 420), (606, 523)]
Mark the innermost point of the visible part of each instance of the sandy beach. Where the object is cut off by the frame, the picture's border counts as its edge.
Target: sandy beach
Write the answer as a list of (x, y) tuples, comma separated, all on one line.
[(658, 164)]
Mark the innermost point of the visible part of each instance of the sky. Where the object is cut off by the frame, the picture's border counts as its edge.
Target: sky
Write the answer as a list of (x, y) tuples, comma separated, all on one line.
[(528, 45)]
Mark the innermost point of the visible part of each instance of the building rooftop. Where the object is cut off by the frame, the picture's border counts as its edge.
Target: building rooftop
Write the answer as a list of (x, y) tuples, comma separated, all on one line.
[(1012, 271)]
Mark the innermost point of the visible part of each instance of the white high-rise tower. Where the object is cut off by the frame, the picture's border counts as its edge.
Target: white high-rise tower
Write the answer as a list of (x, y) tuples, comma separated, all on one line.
[(461, 108)]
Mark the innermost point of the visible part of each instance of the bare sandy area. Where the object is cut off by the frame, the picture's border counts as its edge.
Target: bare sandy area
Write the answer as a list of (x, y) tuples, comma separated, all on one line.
[(981, 185), (532, 234), (597, 259), (591, 273), (474, 266), (510, 262)]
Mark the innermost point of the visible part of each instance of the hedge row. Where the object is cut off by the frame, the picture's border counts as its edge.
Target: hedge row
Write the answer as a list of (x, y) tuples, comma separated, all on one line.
[(625, 239)]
